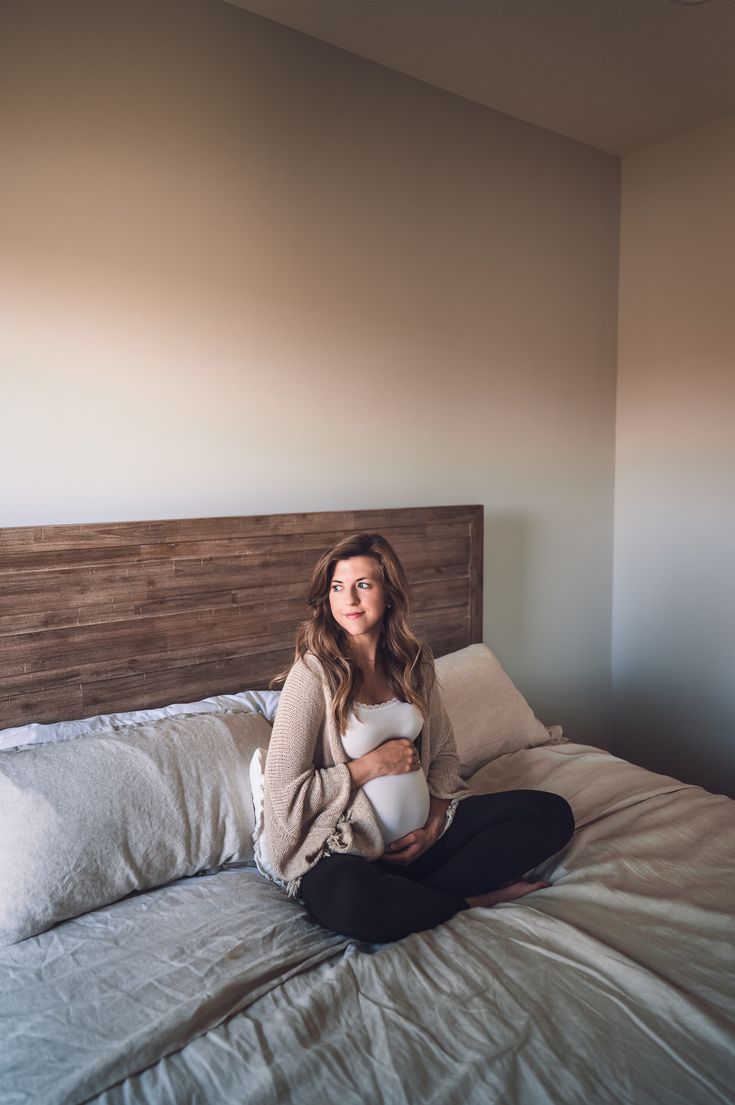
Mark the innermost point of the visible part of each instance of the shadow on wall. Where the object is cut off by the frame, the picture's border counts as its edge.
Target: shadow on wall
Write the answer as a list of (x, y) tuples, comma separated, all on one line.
[(534, 650), (683, 731), (506, 588)]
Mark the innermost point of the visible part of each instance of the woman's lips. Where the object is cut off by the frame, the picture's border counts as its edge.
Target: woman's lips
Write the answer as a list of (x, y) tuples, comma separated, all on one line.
[(357, 615)]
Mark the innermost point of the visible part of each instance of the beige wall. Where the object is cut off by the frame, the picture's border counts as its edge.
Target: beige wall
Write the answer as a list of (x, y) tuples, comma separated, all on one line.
[(245, 272), (674, 604)]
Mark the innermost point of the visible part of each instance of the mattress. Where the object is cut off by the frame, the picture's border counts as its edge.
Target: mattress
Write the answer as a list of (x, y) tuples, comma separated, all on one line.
[(613, 985)]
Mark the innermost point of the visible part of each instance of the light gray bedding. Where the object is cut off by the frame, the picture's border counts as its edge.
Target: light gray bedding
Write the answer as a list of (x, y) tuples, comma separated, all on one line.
[(615, 985)]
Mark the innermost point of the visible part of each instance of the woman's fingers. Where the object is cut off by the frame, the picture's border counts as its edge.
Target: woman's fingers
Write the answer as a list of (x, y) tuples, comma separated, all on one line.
[(404, 856), (407, 848), (406, 756), (395, 756), (402, 842)]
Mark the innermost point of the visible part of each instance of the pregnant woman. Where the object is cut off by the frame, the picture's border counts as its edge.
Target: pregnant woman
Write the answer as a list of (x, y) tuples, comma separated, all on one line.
[(367, 819)]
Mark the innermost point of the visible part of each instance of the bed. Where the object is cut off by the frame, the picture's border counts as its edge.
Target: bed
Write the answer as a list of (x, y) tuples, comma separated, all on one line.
[(147, 959)]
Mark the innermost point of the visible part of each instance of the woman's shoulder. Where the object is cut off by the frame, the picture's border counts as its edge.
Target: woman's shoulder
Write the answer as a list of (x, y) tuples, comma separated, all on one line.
[(428, 667), (307, 668), (311, 662), (303, 691), (427, 660)]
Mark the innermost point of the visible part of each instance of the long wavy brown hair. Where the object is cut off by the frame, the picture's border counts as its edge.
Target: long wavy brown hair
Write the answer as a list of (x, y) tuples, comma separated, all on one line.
[(407, 661)]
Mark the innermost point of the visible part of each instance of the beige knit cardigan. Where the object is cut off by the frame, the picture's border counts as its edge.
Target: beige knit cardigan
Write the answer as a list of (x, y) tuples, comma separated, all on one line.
[(309, 807)]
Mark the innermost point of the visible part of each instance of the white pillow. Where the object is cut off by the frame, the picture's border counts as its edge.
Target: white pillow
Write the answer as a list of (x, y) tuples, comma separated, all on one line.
[(260, 702), (86, 822), (488, 713), (260, 842)]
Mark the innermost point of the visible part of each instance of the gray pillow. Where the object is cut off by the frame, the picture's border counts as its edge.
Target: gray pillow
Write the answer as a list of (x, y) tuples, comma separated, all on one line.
[(86, 822), (260, 702)]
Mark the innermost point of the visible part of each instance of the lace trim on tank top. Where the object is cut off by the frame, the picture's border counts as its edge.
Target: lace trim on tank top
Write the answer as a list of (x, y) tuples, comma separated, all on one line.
[(376, 705)]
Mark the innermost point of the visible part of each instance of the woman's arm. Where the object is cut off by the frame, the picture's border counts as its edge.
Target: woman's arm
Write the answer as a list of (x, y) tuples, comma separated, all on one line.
[(443, 775), (300, 800), (437, 811)]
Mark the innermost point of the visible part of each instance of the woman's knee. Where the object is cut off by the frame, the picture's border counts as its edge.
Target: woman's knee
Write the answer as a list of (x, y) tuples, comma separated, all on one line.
[(557, 815)]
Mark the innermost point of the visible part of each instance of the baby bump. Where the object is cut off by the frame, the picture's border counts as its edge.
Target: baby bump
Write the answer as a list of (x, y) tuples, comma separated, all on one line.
[(401, 803)]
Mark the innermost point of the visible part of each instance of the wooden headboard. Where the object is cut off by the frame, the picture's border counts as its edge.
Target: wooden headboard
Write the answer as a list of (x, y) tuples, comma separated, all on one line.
[(99, 618)]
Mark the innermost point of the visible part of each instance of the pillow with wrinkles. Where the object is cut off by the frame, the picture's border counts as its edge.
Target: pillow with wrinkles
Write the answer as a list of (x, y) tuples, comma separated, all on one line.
[(84, 823), (489, 715)]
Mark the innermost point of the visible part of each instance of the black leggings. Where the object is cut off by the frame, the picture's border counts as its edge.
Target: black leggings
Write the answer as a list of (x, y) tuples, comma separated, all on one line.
[(493, 839)]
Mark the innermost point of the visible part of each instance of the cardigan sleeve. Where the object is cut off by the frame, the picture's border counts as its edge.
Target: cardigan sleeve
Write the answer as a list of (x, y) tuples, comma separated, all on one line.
[(302, 803), (443, 775)]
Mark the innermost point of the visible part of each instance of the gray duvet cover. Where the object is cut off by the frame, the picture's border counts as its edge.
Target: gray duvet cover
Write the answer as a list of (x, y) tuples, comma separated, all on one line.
[(615, 985)]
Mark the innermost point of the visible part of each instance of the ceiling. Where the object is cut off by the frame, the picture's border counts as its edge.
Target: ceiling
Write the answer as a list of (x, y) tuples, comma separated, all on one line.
[(616, 74)]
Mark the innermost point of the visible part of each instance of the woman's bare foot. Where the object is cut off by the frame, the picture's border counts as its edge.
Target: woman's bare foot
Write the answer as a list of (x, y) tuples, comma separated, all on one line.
[(506, 893)]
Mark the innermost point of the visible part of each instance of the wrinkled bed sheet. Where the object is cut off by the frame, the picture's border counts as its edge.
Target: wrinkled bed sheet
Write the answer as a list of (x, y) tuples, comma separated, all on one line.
[(614, 985)]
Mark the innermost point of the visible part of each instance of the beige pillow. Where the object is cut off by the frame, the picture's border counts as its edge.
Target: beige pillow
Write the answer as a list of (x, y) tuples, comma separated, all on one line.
[(88, 821), (488, 713)]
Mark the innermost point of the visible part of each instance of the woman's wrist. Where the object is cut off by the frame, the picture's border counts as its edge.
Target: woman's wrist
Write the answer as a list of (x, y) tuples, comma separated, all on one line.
[(437, 811), (359, 772)]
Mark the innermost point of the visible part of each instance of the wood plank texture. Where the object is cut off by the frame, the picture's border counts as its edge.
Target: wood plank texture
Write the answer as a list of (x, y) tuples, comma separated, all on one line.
[(99, 618)]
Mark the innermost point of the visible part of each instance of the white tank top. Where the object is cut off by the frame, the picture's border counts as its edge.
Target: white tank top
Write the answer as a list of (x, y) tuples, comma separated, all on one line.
[(401, 802)]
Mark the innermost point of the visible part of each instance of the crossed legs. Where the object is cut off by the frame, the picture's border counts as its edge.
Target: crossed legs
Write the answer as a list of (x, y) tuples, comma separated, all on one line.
[(493, 839)]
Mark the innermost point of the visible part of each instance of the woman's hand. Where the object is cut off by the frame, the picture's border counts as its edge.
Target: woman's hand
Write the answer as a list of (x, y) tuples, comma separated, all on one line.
[(412, 845), (397, 756)]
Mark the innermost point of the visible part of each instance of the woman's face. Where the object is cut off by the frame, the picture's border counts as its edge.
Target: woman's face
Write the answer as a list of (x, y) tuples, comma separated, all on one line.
[(355, 589)]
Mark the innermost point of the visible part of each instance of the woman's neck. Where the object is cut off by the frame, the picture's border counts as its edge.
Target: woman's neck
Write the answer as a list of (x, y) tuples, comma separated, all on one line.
[(373, 685), (367, 657)]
